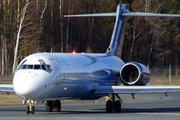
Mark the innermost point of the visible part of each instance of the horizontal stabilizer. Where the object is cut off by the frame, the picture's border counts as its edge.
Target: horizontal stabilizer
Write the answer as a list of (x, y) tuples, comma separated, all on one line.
[(136, 89), (139, 14), (125, 14), (93, 15)]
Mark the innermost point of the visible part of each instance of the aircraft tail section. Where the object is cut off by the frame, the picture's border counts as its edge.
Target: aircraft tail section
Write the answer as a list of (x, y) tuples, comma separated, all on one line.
[(117, 38), (122, 13)]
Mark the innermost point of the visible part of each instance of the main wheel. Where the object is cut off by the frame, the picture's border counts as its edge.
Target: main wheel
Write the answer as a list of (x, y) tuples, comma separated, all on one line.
[(57, 106), (117, 106), (109, 106), (27, 110), (49, 106), (32, 109)]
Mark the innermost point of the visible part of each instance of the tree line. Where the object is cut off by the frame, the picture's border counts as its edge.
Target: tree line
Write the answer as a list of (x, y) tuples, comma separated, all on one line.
[(31, 26)]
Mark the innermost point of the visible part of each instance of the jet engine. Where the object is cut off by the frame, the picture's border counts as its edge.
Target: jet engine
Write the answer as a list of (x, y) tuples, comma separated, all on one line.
[(133, 73)]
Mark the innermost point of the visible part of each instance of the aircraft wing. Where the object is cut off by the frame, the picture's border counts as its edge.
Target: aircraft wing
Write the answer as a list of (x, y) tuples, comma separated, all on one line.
[(136, 89), (6, 88)]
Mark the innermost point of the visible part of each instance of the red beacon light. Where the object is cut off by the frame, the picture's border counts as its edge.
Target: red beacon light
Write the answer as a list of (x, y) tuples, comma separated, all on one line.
[(74, 52)]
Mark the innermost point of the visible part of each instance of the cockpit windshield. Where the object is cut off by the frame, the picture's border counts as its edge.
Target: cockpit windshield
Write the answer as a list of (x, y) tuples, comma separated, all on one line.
[(47, 68), (41, 66)]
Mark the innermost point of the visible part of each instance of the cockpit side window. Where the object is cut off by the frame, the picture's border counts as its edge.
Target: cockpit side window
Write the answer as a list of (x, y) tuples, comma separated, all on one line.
[(44, 67), (42, 61), (49, 67), (23, 67)]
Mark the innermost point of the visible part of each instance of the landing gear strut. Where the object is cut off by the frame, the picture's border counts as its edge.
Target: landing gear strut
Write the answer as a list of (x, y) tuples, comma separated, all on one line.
[(113, 105), (30, 108), (49, 106), (56, 105)]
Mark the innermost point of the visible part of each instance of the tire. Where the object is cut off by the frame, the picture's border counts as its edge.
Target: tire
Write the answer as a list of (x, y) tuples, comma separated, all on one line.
[(27, 110), (57, 106), (109, 106), (117, 106), (48, 106), (32, 109)]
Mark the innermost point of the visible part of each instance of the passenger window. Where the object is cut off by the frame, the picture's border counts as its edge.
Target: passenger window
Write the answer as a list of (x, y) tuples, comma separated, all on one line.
[(37, 67), (30, 67)]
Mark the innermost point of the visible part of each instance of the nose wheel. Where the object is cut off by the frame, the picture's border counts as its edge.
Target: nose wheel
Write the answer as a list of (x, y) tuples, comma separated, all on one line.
[(30, 108)]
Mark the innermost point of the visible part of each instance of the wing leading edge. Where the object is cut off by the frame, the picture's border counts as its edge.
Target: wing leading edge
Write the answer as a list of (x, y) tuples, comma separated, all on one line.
[(6, 88), (135, 89)]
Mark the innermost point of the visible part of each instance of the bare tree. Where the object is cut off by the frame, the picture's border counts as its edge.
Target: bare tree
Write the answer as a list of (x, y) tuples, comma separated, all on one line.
[(61, 25), (18, 34)]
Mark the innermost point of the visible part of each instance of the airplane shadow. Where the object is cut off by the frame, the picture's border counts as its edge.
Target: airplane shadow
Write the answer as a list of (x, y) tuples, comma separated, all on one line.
[(124, 110)]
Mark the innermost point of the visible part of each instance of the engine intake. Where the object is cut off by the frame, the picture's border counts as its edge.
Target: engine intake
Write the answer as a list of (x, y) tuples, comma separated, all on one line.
[(133, 73)]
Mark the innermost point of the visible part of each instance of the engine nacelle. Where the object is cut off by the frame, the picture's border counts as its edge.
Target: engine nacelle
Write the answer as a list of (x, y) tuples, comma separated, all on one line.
[(133, 73)]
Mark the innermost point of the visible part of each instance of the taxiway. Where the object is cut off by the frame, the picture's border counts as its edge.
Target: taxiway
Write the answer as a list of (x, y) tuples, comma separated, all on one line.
[(144, 107)]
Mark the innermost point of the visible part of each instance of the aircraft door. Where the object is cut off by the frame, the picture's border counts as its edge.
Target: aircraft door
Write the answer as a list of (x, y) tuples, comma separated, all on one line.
[(54, 64)]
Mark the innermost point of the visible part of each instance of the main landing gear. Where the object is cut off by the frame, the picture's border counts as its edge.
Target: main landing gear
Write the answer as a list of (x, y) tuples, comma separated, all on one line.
[(30, 108), (111, 104), (56, 105)]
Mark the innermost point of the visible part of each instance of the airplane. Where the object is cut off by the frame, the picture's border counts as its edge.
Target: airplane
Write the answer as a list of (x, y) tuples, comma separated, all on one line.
[(52, 77)]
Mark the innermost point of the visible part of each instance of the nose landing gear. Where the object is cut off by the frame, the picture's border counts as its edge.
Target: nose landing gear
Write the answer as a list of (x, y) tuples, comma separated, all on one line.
[(30, 108)]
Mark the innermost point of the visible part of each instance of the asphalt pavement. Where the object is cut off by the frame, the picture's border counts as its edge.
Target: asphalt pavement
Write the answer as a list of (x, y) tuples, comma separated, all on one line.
[(144, 107)]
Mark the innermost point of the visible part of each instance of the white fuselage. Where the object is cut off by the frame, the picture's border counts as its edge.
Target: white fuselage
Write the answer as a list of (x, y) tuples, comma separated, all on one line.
[(48, 76)]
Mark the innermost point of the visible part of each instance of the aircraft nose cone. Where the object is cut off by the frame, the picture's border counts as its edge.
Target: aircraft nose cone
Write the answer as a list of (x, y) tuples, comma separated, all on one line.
[(25, 85)]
